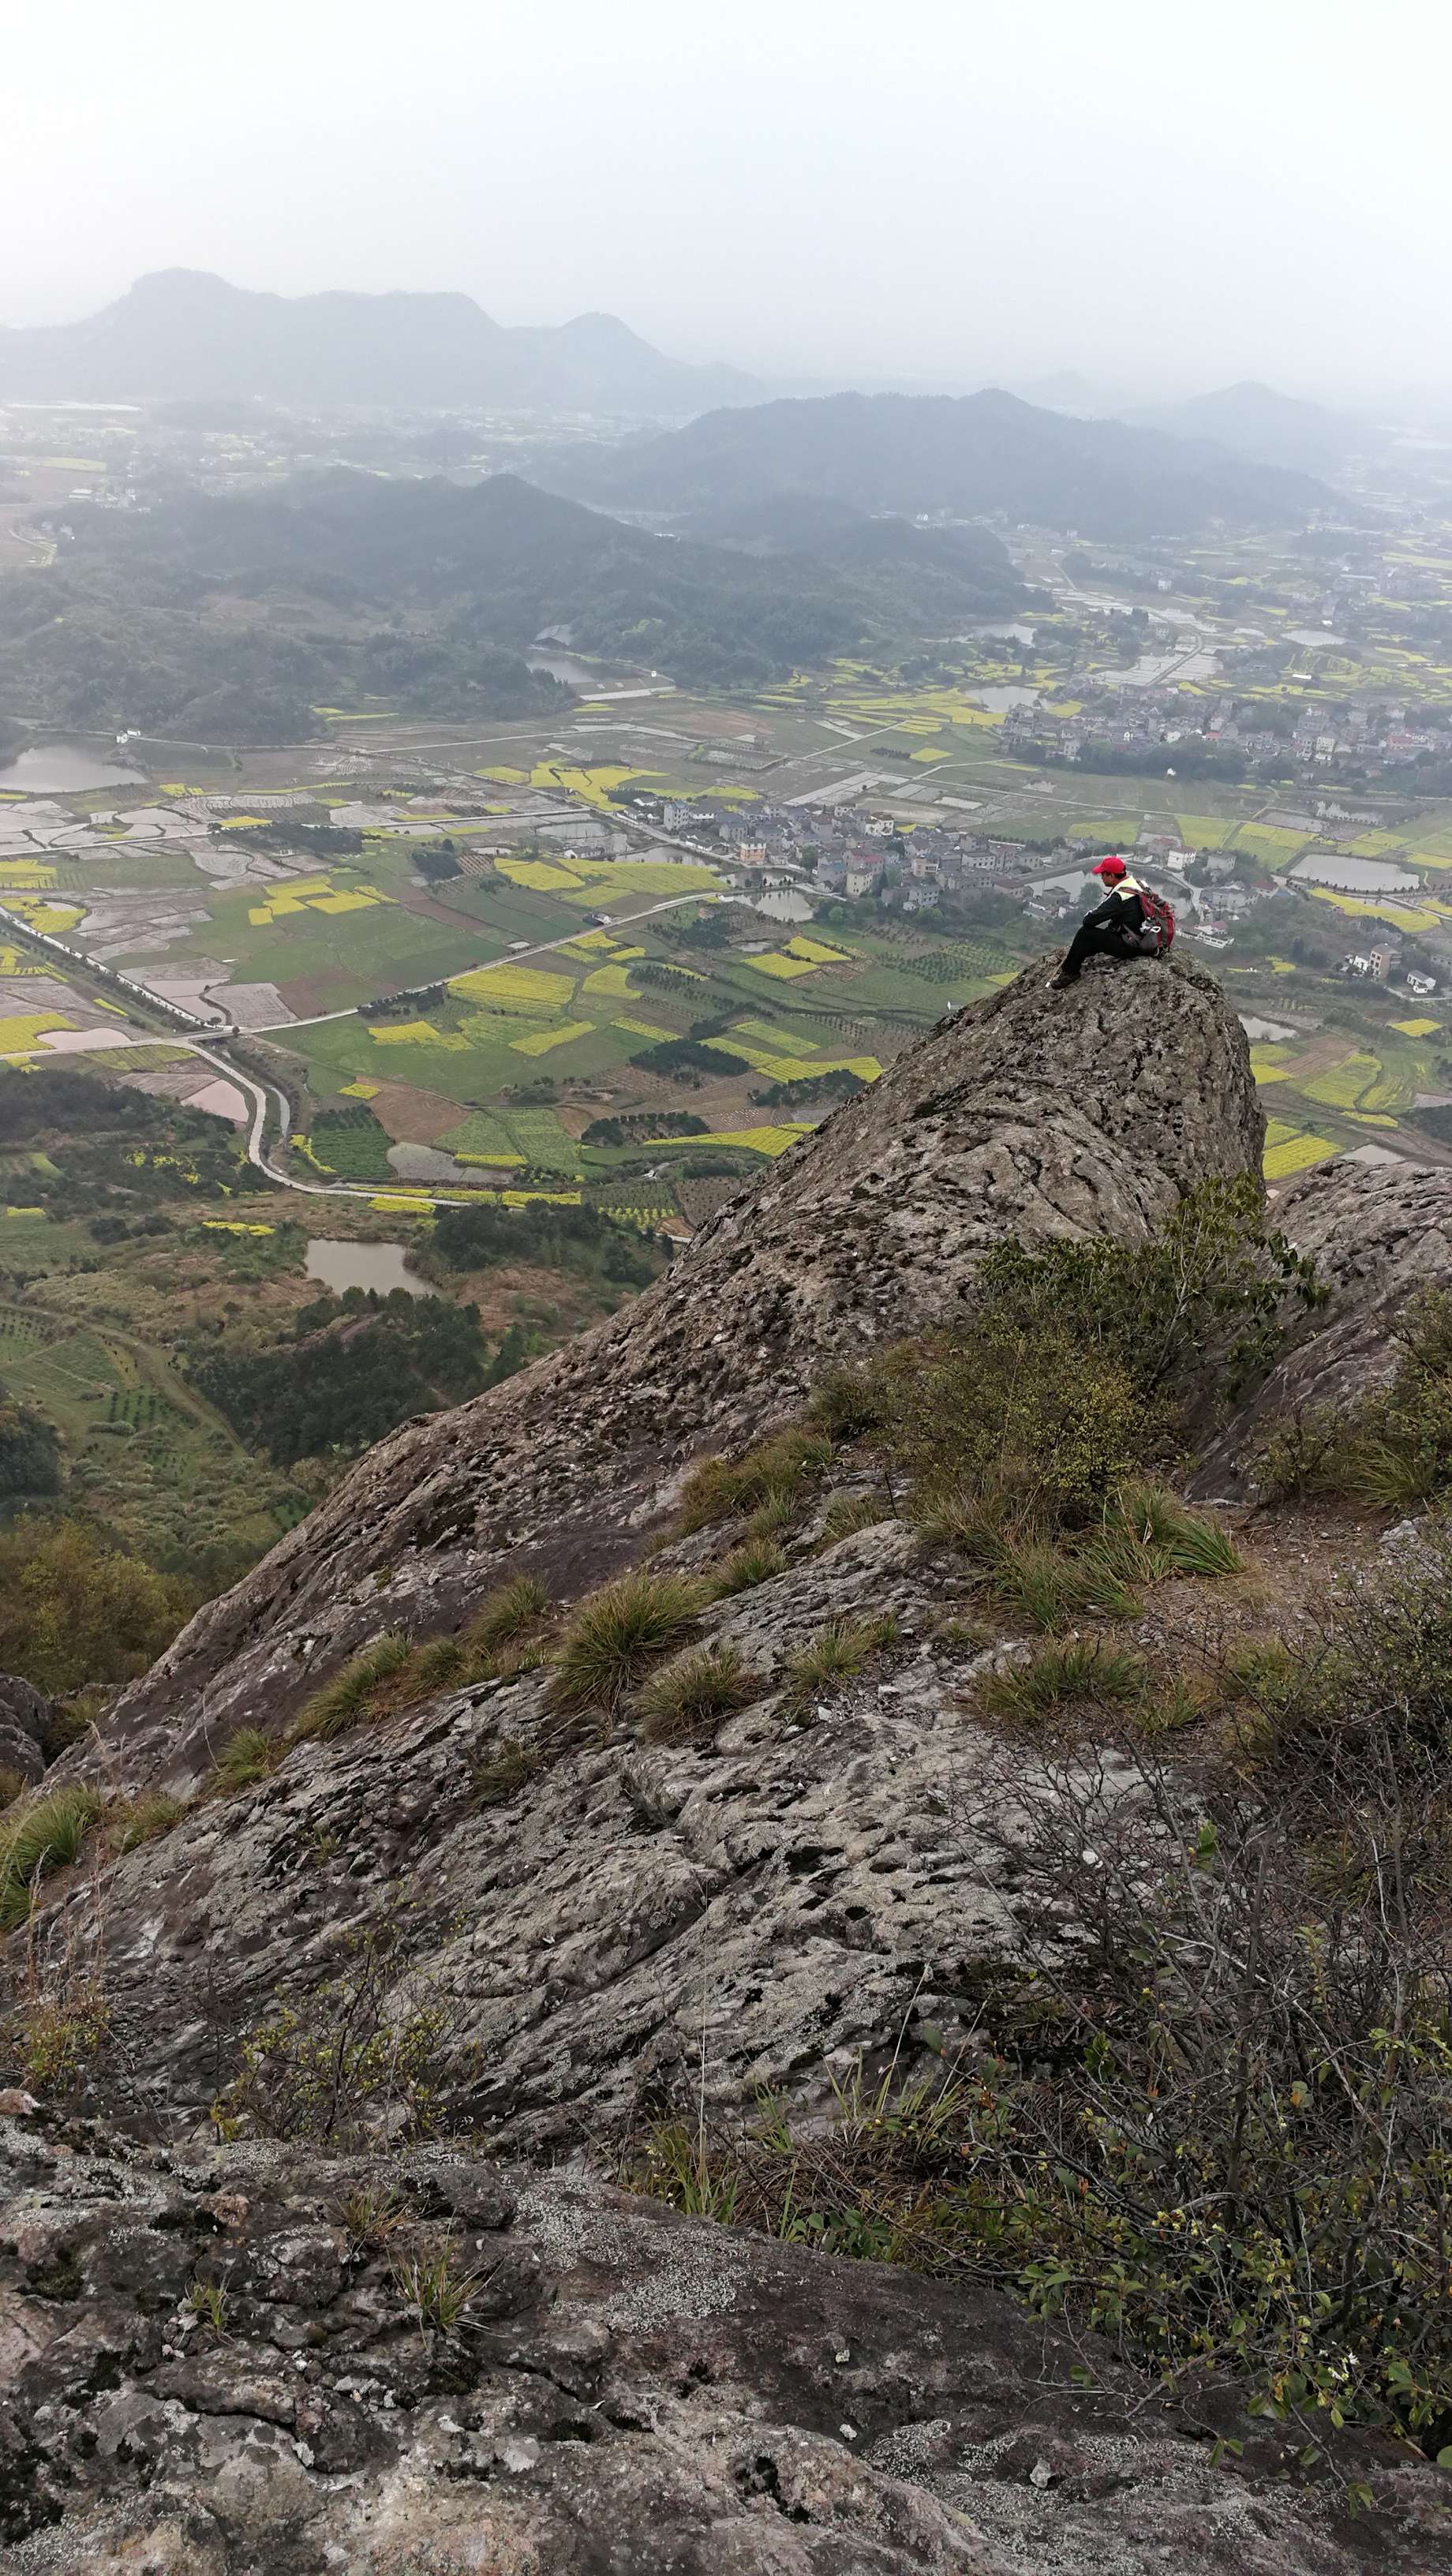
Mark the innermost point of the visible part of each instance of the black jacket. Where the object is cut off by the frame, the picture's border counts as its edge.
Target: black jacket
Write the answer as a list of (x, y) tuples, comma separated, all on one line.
[(1119, 912)]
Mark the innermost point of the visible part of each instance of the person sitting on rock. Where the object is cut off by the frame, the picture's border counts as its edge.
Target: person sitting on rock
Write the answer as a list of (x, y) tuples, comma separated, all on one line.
[(1118, 927)]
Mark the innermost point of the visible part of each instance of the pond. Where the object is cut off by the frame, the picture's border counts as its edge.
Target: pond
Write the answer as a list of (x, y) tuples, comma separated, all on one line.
[(364, 1265), (61, 768), (1264, 1032), (1356, 876), (999, 701), (563, 666)]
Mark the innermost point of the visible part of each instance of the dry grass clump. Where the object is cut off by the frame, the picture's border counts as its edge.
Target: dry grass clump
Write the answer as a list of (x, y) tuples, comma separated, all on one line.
[(837, 1653), (755, 1561), (40, 1835), (691, 1696), (134, 1821), (616, 1635), (774, 1475)]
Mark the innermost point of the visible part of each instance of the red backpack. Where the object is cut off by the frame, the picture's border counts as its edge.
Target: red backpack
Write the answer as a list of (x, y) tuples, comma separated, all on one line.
[(1159, 923)]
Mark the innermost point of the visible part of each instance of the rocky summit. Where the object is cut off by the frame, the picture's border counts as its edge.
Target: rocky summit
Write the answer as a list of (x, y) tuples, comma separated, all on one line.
[(1032, 1115), (236, 2356)]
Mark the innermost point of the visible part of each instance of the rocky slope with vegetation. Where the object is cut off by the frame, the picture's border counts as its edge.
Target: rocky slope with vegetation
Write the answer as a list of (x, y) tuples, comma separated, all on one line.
[(795, 1755)]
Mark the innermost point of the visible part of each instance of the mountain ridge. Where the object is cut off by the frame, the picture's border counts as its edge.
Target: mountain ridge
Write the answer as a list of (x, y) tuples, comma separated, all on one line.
[(188, 334), (972, 454)]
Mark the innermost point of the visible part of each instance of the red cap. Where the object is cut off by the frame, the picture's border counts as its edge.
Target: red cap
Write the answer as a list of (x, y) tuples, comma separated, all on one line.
[(1110, 867)]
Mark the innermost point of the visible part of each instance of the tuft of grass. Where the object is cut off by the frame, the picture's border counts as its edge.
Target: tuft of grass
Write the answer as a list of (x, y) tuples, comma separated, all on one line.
[(774, 1513), (1064, 1669), (779, 1469), (432, 2282), (207, 2301), (1189, 1542), (848, 1513), (755, 1561), (247, 1756), (348, 1698), (371, 2213), (837, 1653), (617, 1634), (42, 1835), (496, 1777), (506, 1615), (134, 1821), (692, 1695)]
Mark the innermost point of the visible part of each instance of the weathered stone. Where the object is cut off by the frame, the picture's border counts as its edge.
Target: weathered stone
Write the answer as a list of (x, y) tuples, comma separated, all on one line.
[(675, 2397), (1376, 1237), (1039, 1115)]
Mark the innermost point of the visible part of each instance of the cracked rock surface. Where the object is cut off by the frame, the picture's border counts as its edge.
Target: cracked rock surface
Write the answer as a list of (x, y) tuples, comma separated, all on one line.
[(626, 2393), (1040, 1115)]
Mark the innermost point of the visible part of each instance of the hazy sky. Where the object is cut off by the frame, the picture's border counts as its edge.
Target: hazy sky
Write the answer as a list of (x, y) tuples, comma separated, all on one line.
[(945, 190)]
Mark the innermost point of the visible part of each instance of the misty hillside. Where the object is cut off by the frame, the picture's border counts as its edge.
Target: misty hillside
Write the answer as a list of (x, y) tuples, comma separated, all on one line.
[(229, 619), (977, 453), (184, 333), (1265, 427)]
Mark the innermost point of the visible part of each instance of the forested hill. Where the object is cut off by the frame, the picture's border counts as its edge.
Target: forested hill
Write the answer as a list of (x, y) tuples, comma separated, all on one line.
[(182, 332), (226, 619), (983, 452)]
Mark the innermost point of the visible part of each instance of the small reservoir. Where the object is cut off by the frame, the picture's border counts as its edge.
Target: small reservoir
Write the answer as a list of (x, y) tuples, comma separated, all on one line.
[(364, 1265)]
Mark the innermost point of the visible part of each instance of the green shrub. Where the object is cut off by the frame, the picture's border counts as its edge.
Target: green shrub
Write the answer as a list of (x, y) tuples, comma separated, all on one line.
[(691, 1696), (616, 1635), (43, 1834), (755, 1561), (781, 1468), (247, 1756), (837, 1653), (1074, 1668)]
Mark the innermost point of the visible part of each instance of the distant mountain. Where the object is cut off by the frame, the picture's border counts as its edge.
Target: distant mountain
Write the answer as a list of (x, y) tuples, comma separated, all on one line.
[(1255, 422), (183, 334), (977, 454), (229, 619), (801, 523)]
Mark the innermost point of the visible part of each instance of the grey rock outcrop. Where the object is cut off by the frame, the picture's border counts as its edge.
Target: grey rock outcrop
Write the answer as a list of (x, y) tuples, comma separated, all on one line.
[(624, 2390), (25, 1715), (1376, 1237), (1040, 1115)]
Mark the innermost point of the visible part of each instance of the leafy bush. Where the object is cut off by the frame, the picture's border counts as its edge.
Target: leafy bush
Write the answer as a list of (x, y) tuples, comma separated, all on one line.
[(691, 1696), (617, 1634), (366, 2053), (43, 1834), (74, 1608)]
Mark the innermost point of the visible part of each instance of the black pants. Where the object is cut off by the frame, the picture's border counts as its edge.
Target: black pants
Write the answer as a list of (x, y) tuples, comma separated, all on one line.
[(1092, 941)]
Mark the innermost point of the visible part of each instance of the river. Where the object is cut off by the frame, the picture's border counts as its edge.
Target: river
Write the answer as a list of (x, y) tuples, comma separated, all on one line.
[(364, 1265), (61, 768)]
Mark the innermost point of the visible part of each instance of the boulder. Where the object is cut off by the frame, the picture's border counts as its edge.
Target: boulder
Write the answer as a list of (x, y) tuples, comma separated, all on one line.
[(1376, 1236), (25, 1717)]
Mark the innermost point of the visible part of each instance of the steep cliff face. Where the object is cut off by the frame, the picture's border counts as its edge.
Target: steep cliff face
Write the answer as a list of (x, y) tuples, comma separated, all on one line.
[(795, 1886), (1039, 1115), (614, 1929)]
